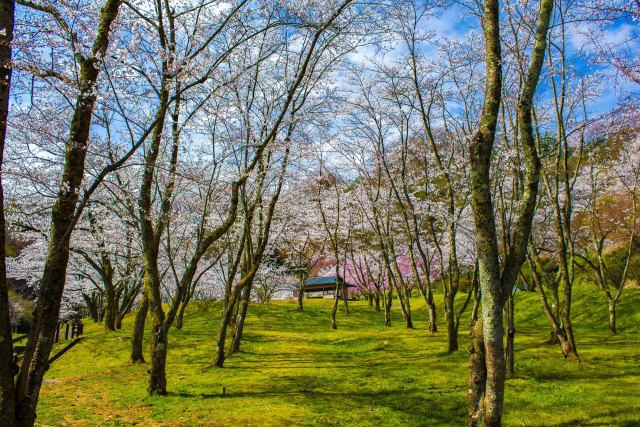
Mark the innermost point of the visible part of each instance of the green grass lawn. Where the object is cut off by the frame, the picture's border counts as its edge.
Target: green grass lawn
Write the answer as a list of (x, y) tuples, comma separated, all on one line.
[(295, 370)]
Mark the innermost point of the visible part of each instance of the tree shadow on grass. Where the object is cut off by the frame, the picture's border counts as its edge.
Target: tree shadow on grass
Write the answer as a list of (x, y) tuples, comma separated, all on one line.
[(601, 419), (408, 402)]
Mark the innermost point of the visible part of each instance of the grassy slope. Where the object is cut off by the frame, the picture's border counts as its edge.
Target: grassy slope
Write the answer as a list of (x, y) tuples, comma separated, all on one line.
[(294, 370)]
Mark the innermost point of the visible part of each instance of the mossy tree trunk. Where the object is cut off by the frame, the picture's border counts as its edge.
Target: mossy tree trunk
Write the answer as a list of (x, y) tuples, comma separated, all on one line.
[(138, 331), (495, 281), (242, 315), (7, 396), (511, 333), (150, 237), (180, 317), (478, 373), (45, 318), (452, 334), (251, 251), (110, 303), (334, 310), (303, 278), (387, 297), (427, 295)]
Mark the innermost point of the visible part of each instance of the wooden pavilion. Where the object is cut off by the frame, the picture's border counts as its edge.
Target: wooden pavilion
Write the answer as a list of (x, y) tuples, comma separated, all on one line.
[(322, 287)]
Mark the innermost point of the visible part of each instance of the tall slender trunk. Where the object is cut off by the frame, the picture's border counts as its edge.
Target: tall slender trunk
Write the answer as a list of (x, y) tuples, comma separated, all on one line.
[(511, 333), (119, 322), (242, 314), (406, 313), (388, 301), (7, 395), (433, 317), (334, 310), (408, 321), (36, 358), (186, 299), (376, 298), (427, 294), (476, 302), (222, 335), (496, 280), (557, 331), (452, 331), (92, 306), (493, 333), (159, 344), (110, 306), (180, 317), (555, 308), (301, 293), (138, 331), (478, 373), (150, 236), (157, 374), (612, 316), (565, 314), (35, 362), (345, 299)]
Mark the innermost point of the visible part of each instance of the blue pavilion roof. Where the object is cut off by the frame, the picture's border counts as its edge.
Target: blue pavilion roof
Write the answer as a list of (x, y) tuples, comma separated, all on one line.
[(330, 280)]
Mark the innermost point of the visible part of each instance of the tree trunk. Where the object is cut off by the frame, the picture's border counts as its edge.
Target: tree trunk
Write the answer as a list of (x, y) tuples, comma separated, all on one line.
[(36, 358), (493, 332), (478, 373), (183, 307), (452, 334), (7, 372), (431, 307), (300, 302), (452, 331), (377, 301), (222, 336), (41, 337), (138, 331), (568, 329), (126, 303), (388, 301), (110, 306), (557, 331), (301, 294), (408, 321), (433, 318), (555, 308), (334, 310), (180, 318), (92, 306), (242, 314), (511, 333), (406, 315), (157, 373), (345, 299), (150, 248), (476, 304), (612, 316), (496, 280)]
